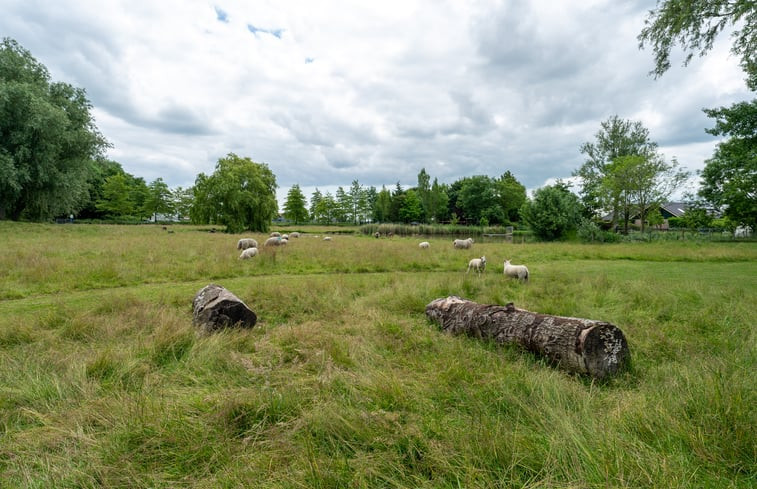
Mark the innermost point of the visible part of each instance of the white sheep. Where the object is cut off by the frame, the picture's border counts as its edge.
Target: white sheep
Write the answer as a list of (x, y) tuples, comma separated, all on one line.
[(275, 241), (516, 271), (463, 244), (478, 264), (245, 243), (424, 245), (327, 238), (275, 234), (294, 235), (248, 253), (284, 236)]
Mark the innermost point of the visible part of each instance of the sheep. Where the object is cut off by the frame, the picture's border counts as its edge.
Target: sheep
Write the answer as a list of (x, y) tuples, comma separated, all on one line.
[(327, 238), (248, 253), (742, 232), (245, 243), (294, 235), (516, 271), (274, 241), (463, 244), (424, 245), (377, 235), (275, 234), (284, 236), (478, 264)]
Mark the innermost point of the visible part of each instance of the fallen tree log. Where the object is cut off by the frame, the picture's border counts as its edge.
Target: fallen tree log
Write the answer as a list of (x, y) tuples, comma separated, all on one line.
[(214, 308), (583, 346)]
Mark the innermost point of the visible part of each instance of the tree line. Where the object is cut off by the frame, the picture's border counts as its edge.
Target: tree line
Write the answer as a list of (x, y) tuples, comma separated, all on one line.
[(52, 161)]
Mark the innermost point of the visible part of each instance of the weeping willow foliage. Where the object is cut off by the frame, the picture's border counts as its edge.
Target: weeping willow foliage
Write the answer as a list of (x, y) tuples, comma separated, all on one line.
[(240, 194)]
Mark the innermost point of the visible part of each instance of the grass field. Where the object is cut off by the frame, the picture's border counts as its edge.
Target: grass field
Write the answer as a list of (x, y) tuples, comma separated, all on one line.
[(344, 382)]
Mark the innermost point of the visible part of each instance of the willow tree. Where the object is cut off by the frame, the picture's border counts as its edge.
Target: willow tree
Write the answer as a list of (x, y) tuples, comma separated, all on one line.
[(240, 194), (48, 140)]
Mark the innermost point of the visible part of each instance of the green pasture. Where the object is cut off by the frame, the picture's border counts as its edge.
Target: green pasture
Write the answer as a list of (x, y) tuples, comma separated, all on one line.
[(343, 383)]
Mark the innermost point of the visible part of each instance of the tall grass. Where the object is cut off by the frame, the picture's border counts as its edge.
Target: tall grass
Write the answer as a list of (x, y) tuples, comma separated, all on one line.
[(344, 383)]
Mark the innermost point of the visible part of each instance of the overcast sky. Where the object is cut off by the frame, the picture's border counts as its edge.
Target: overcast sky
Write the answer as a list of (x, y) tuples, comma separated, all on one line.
[(326, 92)]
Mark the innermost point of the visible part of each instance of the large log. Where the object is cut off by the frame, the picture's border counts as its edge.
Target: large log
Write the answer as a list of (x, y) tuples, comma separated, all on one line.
[(216, 308), (583, 346)]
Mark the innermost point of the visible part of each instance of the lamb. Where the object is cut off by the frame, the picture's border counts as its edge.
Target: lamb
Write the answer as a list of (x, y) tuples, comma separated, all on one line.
[(424, 245), (463, 244), (248, 253), (478, 264), (245, 243), (516, 271)]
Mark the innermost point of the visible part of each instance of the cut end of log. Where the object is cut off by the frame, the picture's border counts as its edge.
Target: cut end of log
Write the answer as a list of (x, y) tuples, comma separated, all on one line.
[(215, 308), (605, 350)]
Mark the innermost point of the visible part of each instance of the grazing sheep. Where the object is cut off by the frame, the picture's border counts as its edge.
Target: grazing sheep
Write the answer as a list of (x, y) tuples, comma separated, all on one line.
[(284, 236), (478, 264), (377, 235), (516, 271), (294, 235), (248, 253), (274, 241), (424, 245), (245, 243), (327, 238), (463, 244), (275, 234)]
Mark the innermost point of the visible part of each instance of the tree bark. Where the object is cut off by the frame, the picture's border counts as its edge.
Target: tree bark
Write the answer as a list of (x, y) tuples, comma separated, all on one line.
[(583, 346), (216, 308)]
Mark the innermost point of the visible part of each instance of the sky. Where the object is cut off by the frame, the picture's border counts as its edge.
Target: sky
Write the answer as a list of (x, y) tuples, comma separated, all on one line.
[(327, 92)]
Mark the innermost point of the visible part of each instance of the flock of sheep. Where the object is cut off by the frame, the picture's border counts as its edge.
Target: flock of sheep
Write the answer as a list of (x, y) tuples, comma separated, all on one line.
[(479, 264), (249, 247)]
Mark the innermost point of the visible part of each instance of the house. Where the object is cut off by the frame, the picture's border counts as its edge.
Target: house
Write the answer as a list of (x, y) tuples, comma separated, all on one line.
[(668, 210)]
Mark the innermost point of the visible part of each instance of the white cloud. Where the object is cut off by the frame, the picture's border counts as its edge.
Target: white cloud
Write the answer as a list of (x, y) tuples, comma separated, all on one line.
[(328, 92)]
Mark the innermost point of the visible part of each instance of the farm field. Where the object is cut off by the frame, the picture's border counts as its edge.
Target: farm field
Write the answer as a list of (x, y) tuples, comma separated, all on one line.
[(344, 383)]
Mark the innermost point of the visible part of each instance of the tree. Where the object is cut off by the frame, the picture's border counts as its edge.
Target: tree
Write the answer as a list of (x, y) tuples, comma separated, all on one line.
[(116, 200), (439, 202), (294, 207), (182, 201), (553, 211), (358, 203), (48, 140), (479, 199), (240, 194), (398, 198), (383, 206), (159, 199), (512, 195), (424, 193), (343, 205), (102, 168), (639, 183), (314, 200), (412, 208), (729, 178), (616, 138), (324, 209), (694, 25)]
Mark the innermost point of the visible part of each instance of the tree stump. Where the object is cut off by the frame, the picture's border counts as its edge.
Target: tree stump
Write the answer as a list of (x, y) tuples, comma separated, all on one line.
[(216, 308), (583, 346)]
